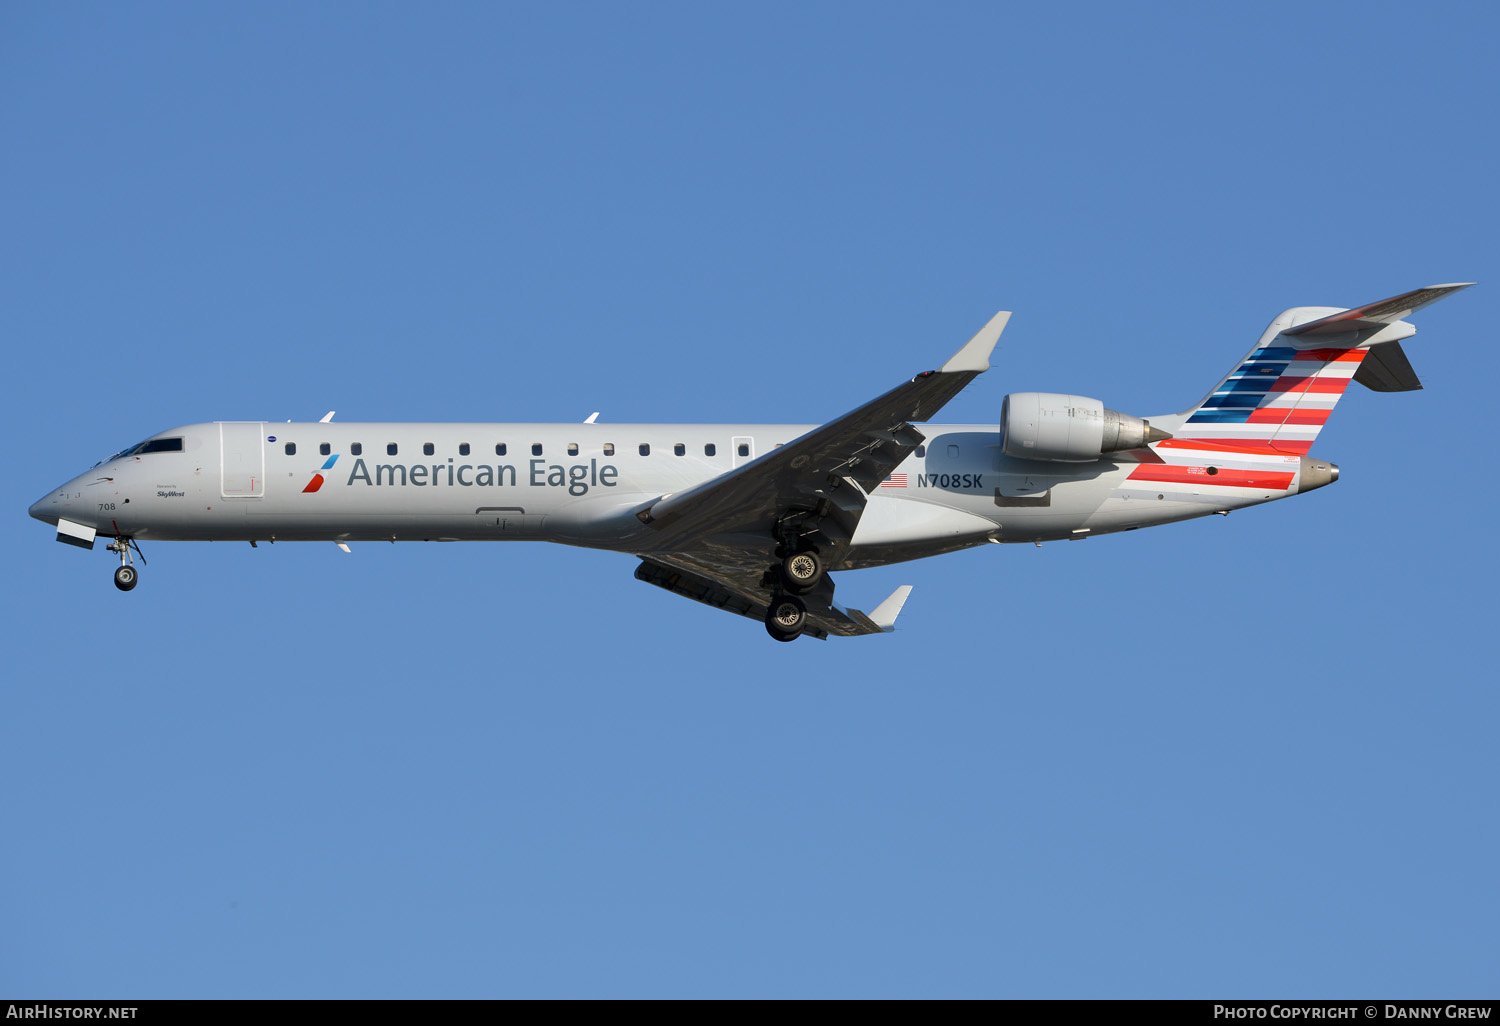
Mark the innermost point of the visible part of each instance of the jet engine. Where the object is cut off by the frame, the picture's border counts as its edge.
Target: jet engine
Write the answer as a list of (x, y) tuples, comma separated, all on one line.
[(1068, 428)]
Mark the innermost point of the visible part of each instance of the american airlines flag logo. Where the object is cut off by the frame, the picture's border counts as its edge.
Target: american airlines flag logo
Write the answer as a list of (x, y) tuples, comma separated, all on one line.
[(894, 481), (317, 479)]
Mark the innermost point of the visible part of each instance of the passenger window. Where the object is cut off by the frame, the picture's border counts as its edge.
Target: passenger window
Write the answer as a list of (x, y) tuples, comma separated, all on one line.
[(291, 448), (536, 448), (572, 448), (390, 449), (499, 448), (744, 449), (324, 449), (463, 448), (609, 448), (953, 452), (428, 449), (356, 449), (645, 449), (710, 449), (679, 449), (921, 451)]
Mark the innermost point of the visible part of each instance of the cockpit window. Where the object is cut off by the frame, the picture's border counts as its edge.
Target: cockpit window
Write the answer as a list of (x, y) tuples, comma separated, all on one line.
[(152, 445)]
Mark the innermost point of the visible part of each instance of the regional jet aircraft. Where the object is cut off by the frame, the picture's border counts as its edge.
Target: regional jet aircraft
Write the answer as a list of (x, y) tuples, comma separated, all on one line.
[(755, 518)]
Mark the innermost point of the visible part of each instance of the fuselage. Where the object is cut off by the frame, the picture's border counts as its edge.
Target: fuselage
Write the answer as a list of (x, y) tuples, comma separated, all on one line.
[(584, 484)]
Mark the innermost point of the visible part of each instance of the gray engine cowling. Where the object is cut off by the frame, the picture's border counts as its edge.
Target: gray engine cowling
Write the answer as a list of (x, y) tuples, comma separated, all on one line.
[(1068, 428)]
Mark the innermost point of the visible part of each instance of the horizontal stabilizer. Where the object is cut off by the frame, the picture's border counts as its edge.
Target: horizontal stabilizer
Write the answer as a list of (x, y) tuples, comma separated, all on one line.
[(1386, 369), (1377, 315)]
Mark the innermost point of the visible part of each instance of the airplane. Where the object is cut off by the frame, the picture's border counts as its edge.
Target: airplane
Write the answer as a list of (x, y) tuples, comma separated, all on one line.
[(755, 518)]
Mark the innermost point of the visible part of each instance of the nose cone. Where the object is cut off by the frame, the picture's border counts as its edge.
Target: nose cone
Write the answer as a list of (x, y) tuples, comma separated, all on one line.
[(44, 509)]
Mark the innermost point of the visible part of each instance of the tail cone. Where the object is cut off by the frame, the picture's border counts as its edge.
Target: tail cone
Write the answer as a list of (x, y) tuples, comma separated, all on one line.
[(1316, 473)]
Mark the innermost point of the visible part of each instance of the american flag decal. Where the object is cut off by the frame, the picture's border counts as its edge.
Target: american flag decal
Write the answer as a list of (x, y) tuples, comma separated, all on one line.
[(894, 481)]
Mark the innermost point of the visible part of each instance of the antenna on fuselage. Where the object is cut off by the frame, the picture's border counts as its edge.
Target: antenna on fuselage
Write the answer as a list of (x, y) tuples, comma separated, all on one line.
[(326, 418), (592, 417)]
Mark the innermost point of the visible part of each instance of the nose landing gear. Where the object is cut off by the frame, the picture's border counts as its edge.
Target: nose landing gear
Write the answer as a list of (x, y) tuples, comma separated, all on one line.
[(126, 576)]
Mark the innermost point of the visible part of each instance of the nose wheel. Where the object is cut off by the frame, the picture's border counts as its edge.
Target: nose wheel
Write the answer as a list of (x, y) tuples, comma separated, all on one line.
[(126, 575)]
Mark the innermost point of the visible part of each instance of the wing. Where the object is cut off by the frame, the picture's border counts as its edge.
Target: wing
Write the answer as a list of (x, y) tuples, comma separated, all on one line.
[(810, 492)]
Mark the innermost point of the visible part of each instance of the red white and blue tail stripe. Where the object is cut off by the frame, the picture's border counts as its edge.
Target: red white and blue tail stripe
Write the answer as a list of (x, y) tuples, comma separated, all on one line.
[(1276, 400), (1248, 438)]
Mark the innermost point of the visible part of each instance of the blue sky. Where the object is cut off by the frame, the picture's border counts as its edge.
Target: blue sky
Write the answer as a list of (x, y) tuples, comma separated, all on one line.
[(1240, 757)]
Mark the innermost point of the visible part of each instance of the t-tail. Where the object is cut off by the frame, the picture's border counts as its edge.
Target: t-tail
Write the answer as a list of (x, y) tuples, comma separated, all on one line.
[(1279, 396)]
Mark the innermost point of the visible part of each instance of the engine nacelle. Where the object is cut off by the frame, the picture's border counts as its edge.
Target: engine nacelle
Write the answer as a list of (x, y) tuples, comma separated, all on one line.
[(1068, 428)]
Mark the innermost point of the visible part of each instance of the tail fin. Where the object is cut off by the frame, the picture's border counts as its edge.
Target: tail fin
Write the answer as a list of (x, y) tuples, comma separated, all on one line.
[(1280, 395)]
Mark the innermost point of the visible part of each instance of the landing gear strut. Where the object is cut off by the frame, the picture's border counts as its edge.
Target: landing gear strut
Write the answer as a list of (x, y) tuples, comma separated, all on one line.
[(800, 571), (786, 617), (126, 576)]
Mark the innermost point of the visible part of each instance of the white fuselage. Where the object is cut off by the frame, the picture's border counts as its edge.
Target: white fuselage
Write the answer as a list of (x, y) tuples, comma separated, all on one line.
[(583, 484)]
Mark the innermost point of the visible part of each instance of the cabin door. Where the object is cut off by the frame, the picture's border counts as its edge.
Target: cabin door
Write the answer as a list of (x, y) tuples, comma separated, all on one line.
[(242, 459)]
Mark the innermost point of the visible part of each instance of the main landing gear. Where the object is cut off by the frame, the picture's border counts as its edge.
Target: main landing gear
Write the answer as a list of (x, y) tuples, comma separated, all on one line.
[(126, 576), (786, 617), (799, 573)]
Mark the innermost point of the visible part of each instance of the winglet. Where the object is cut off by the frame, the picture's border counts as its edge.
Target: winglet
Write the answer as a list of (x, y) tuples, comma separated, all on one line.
[(884, 615), (975, 355)]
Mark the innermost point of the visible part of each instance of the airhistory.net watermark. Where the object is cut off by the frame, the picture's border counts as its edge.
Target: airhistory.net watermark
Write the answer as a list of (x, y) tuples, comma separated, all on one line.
[(40, 1010)]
